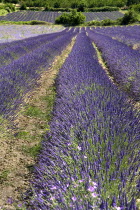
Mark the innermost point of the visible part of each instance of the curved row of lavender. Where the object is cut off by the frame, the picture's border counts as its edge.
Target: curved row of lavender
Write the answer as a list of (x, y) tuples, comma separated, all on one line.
[(13, 50), (89, 158), (20, 76), (122, 61), (129, 35)]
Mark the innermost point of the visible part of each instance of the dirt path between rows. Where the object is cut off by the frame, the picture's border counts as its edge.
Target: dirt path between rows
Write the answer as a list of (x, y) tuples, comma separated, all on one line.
[(15, 159)]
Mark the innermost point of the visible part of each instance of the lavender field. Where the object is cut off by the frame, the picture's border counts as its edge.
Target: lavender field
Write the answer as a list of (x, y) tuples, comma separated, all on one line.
[(51, 16), (89, 157), (10, 33)]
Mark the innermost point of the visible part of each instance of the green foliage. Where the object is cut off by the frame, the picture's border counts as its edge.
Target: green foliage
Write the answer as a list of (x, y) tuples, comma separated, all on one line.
[(32, 151), (75, 4), (32, 22), (81, 6), (10, 1), (47, 7), (106, 22), (129, 18), (102, 9), (23, 6), (136, 8), (23, 135), (3, 12), (38, 3), (72, 18), (3, 176), (56, 5), (57, 9), (33, 111), (10, 7), (131, 2)]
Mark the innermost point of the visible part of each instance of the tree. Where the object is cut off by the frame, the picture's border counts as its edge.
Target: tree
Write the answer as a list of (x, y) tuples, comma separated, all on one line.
[(128, 18), (72, 18), (23, 6), (81, 6), (130, 2), (56, 5)]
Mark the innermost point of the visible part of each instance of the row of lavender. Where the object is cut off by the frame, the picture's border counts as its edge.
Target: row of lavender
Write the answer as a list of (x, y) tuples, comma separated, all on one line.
[(21, 65), (10, 51), (129, 35), (89, 159), (123, 62)]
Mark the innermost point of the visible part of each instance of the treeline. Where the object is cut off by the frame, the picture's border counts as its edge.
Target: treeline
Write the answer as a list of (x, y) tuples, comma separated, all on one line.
[(73, 3)]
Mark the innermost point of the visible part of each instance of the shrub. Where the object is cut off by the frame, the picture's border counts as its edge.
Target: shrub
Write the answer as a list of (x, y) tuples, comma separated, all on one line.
[(81, 6), (9, 7), (74, 5), (23, 6), (63, 19), (136, 7), (56, 5), (108, 22), (72, 18), (131, 2), (93, 23), (47, 7), (128, 18)]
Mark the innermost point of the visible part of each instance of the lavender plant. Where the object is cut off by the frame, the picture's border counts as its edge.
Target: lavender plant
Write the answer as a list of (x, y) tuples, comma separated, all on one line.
[(13, 50), (122, 61), (21, 75), (127, 34), (89, 159)]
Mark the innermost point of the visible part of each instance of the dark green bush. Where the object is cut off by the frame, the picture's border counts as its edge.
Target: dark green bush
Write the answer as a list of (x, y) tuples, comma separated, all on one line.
[(56, 5), (63, 19), (81, 6), (72, 18), (74, 5), (128, 18), (23, 6), (131, 2), (47, 7)]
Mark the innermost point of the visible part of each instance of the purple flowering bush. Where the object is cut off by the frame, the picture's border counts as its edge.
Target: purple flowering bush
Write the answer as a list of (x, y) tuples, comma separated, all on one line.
[(89, 158), (14, 50), (20, 75), (129, 35), (122, 61)]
